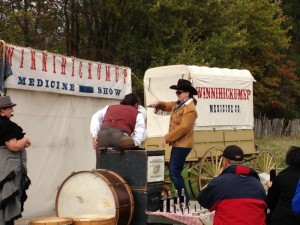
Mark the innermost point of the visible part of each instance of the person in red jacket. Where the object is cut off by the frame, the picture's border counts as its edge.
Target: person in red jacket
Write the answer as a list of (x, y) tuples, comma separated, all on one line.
[(236, 195)]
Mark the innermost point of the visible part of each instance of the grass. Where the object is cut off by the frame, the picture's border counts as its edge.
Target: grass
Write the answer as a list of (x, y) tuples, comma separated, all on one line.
[(278, 146)]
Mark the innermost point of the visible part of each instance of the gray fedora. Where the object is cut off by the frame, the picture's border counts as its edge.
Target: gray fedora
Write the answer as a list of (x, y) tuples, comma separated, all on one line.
[(6, 102)]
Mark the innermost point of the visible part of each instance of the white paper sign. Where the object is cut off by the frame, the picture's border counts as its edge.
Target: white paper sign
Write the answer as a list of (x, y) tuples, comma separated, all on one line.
[(156, 168)]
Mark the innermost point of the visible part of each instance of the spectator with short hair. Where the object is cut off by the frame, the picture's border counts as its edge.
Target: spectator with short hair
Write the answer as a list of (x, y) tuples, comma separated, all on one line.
[(282, 190)]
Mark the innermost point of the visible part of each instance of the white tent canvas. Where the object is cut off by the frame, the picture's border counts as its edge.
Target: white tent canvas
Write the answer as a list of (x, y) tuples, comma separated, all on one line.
[(55, 110), (225, 97)]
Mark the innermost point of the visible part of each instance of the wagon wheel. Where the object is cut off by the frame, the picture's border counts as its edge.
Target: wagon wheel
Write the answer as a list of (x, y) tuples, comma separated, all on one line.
[(264, 162), (193, 178), (210, 166), (202, 172)]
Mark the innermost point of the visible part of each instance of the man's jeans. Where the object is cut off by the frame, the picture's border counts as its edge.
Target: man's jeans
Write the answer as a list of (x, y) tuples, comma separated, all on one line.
[(178, 156)]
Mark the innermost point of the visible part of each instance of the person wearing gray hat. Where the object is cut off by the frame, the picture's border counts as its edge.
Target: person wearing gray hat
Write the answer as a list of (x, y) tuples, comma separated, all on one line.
[(181, 129), (13, 171)]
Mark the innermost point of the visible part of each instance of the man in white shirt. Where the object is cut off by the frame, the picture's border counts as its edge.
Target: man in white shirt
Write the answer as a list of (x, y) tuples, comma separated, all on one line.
[(119, 126)]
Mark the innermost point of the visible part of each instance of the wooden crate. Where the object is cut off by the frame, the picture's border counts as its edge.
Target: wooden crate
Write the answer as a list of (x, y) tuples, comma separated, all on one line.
[(146, 200), (143, 171), (138, 167)]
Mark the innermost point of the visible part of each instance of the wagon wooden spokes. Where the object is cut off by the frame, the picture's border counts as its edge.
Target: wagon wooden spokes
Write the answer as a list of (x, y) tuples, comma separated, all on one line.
[(193, 177), (210, 166), (202, 172), (264, 162)]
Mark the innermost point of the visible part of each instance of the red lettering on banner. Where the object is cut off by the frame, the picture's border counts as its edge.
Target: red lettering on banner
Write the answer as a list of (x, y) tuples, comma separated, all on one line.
[(80, 69), (99, 71), (63, 65), (220, 93), (54, 64), (117, 73), (213, 93), (223, 93), (248, 93), (73, 61), (22, 59), (10, 52), (90, 71), (107, 73), (125, 75), (38, 63), (45, 55), (33, 66)]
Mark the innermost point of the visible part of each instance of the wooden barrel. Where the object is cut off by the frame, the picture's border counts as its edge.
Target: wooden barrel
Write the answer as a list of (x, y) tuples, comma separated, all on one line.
[(51, 221), (94, 220)]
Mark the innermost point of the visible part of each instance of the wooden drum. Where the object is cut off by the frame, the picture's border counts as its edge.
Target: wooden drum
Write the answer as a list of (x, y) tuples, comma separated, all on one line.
[(97, 192), (51, 221), (94, 220)]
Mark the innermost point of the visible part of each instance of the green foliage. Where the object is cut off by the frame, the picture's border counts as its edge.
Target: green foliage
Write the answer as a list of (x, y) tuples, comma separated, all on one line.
[(32, 24), (243, 34), (278, 146), (291, 9)]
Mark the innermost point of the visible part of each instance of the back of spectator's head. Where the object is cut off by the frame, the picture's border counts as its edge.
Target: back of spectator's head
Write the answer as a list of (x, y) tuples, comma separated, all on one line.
[(293, 156), (131, 99), (234, 153)]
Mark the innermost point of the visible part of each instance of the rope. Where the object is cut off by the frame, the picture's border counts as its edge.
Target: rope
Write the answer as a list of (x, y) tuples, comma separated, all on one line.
[(137, 79), (143, 85)]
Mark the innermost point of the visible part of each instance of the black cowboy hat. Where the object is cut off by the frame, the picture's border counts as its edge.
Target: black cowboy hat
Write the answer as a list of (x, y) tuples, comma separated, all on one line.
[(6, 102), (184, 85)]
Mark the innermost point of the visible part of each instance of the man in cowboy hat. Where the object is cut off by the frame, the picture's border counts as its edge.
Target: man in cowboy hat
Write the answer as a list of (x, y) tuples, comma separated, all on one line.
[(180, 135), (13, 173)]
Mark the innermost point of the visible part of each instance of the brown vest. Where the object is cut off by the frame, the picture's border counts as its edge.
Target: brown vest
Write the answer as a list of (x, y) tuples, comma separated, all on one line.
[(122, 117)]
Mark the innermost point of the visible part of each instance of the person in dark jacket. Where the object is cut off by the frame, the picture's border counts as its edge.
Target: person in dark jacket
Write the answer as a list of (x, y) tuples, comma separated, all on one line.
[(282, 190), (13, 172), (236, 195)]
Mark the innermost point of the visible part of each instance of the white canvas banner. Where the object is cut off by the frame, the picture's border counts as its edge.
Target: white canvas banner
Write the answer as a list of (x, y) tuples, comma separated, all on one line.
[(224, 103), (56, 97), (43, 71)]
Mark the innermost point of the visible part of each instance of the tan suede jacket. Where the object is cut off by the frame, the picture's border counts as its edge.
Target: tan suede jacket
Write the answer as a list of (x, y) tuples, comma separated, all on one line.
[(182, 122)]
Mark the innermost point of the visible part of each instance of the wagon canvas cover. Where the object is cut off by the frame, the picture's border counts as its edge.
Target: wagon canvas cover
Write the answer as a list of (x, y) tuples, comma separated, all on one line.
[(225, 97)]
